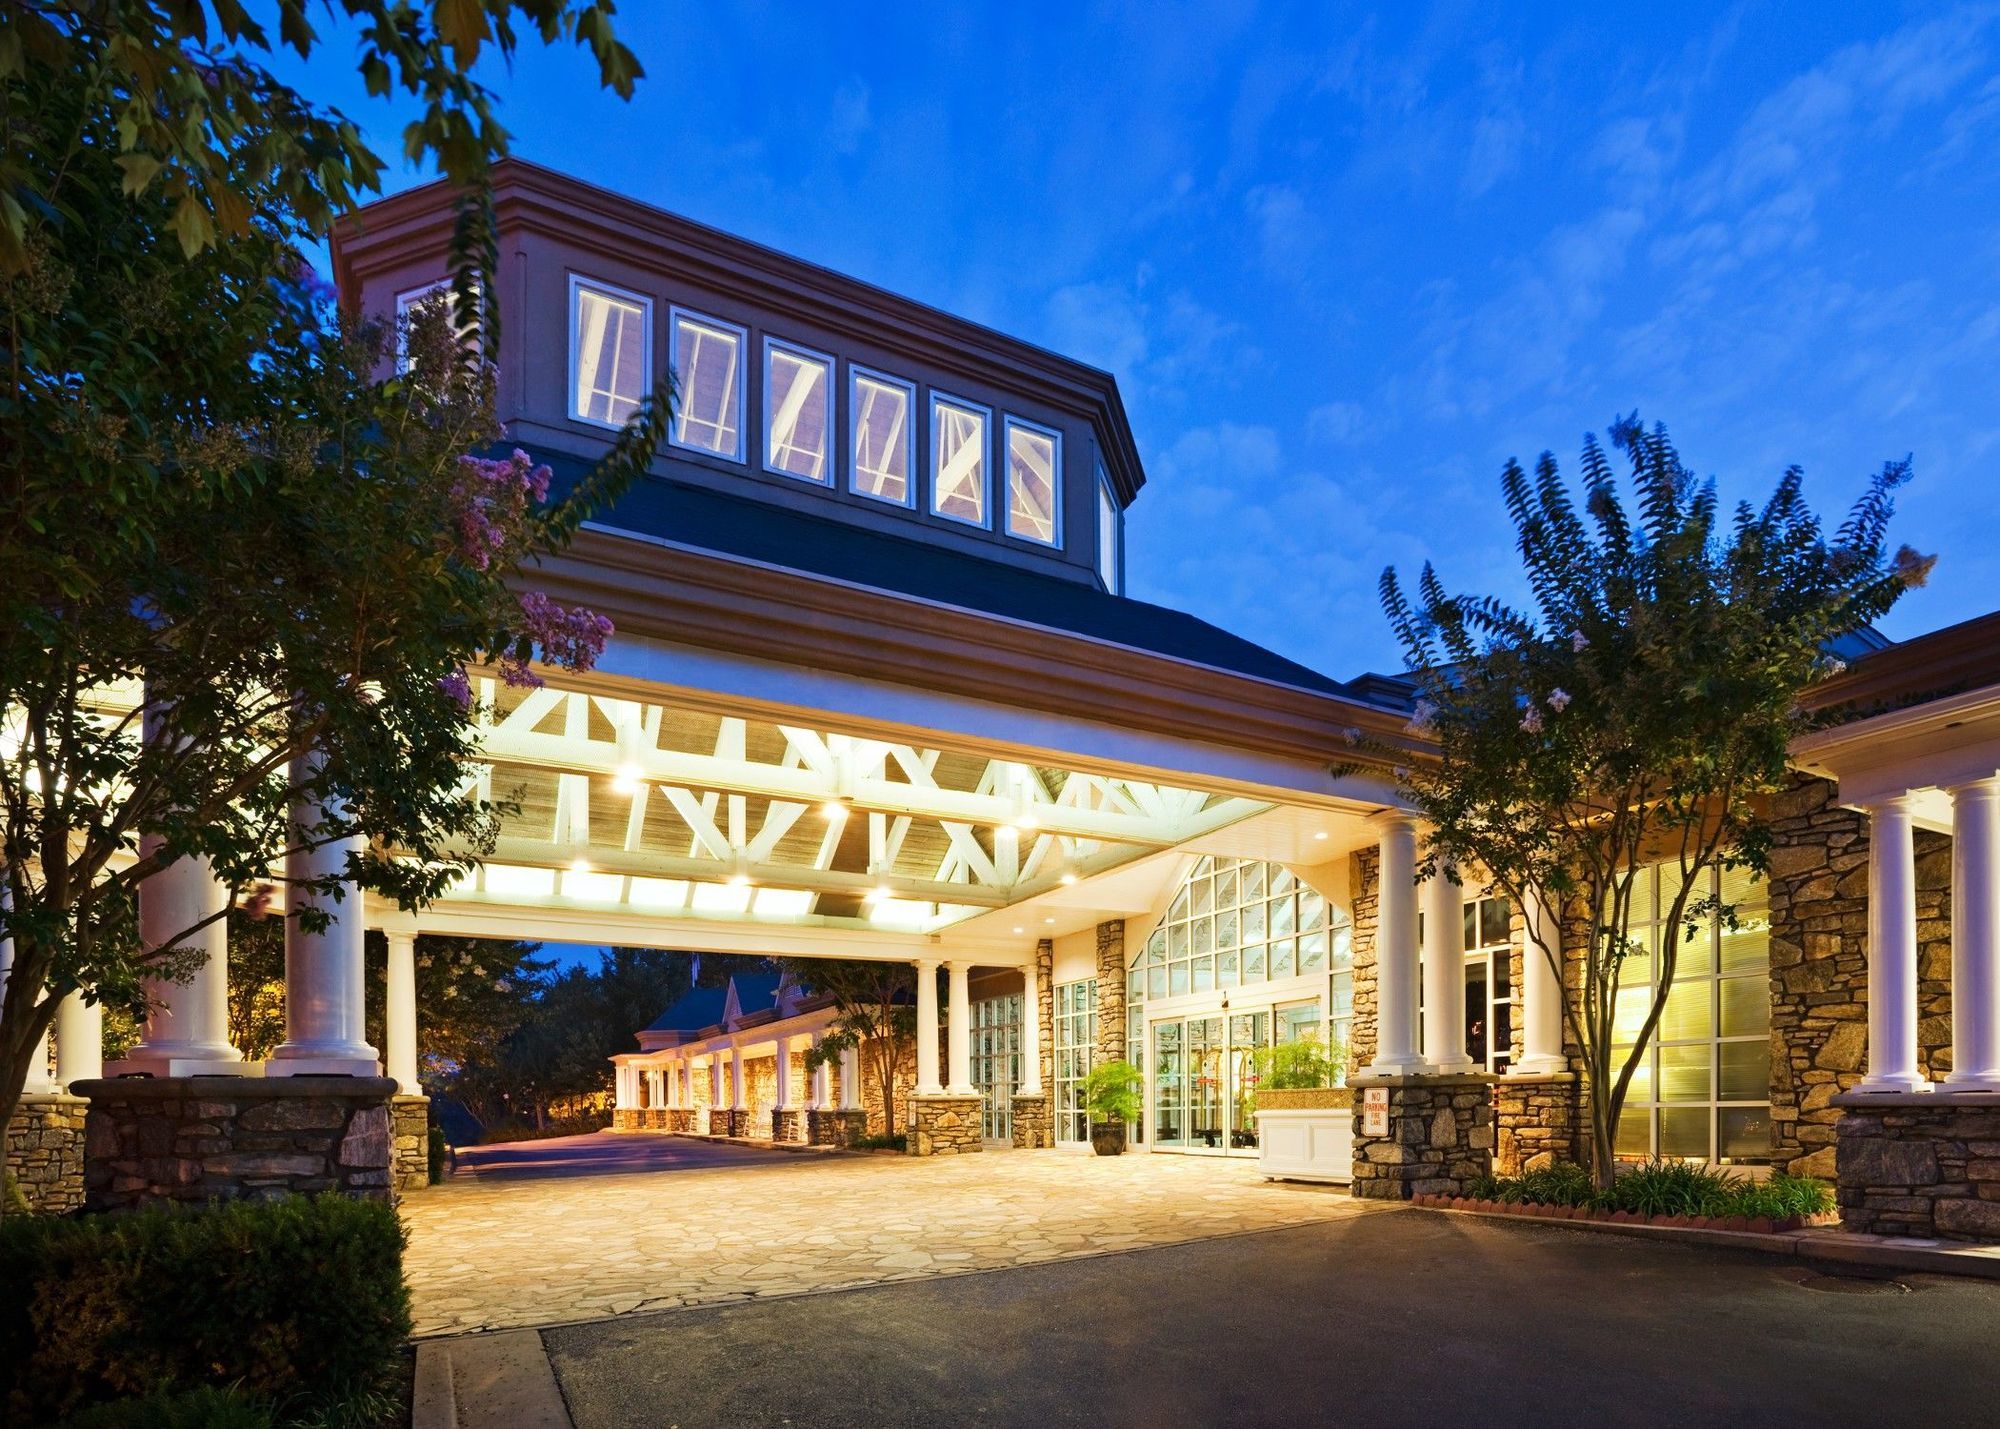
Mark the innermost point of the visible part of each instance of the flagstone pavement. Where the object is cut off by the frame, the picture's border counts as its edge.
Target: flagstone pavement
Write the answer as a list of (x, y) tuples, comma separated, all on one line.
[(503, 1247)]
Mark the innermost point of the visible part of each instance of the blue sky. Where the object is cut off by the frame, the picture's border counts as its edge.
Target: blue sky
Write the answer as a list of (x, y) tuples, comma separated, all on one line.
[(1344, 262)]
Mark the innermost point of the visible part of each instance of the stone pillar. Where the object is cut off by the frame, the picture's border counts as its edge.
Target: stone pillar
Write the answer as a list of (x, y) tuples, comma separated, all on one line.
[(927, 1029), (1975, 937), (325, 973), (850, 1079), (1396, 947), (958, 1031), (1111, 991), (1892, 951), (1044, 1011), (1444, 976), (45, 1151), (1438, 1136), (399, 1010), (1541, 994), (187, 1024), (1031, 1031), (79, 1040), (945, 1124)]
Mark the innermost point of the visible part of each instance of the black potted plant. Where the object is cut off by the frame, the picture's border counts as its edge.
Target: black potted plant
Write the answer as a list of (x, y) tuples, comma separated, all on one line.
[(1111, 1096)]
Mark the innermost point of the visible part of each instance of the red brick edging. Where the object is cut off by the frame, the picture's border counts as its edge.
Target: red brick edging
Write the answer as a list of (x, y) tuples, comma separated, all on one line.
[(1757, 1225)]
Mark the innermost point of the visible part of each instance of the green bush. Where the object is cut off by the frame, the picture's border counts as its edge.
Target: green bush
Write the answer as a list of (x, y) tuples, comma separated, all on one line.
[(438, 1153), (1305, 1062), (299, 1301), (894, 1141), (203, 1408), (1662, 1188), (1111, 1092)]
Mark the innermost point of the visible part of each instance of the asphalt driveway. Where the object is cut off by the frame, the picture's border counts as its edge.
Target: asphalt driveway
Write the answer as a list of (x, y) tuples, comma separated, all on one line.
[(1408, 1317)]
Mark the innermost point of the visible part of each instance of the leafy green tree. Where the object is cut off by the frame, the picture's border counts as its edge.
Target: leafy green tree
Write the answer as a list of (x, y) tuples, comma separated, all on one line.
[(217, 490), (875, 1014), (1640, 712)]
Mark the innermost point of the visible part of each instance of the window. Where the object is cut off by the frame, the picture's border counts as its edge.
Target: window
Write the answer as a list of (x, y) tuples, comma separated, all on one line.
[(708, 358), (1075, 1055), (958, 460), (408, 302), (1034, 482), (798, 412), (610, 352), (879, 411), (996, 1061), (1239, 922), (1489, 982), (1703, 1089), (1107, 532)]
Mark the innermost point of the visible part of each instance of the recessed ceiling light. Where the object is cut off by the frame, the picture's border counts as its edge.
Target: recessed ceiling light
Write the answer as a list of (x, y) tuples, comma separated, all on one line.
[(1068, 878), (739, 880), (1320, 835), (1048, 920), (579, 865), (1019, 931), (833, 809), (627, 779)]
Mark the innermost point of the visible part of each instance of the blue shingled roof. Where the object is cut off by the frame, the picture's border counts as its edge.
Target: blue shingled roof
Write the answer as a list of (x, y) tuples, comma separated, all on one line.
[(701, 1007)]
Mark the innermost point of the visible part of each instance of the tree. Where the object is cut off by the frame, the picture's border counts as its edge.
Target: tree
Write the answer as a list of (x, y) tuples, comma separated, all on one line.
[(239, 542), (1640, 713), (874, 1014)]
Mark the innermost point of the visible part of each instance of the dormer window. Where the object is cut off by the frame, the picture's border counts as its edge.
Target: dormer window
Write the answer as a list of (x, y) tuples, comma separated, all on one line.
[(798, 412), (880, 412), (408, 302), (610, 352), (958, 460), (1107, 532), (708, 358), (1034, 482)]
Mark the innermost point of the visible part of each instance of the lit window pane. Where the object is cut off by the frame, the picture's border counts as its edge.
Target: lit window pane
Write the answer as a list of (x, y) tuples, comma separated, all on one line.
[(1034, 482), (1684, 1073), (1641, 1087), (1312, 952), (1744, 1133), (1107, 538), (1204, 974), (1635, 1132), (958, 461), (1253, 963), (1684, 1131), (1746, 1071), (608, 357), (798, 412), (1282, 958), (708, 356), (1748, 948), (1494, 915), (1746, 1006), (1225, 968), (880, 414), (1689, 1011), (1471, 925)]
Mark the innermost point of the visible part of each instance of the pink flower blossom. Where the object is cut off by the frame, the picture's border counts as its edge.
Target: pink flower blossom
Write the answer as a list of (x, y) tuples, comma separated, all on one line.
[(457, 688), (1558, 700), (490, 503), (1578, 641), (1531, 722), (568, 636)]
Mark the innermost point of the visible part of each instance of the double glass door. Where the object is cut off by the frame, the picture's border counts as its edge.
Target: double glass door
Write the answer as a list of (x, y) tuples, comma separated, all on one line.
[(1205, 1082)]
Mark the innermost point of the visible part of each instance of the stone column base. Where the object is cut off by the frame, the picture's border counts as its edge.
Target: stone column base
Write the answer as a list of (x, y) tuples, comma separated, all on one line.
[(1536, 1122), (829, 1126), (626, 1118), (788, 1124), (728, 1121), (1919, 1164), (231, 1138), (1439, 1138), (656, 1118), (1034, 1130), (410, 1156), (45, 1151), (945, 1125), (681, 1119)]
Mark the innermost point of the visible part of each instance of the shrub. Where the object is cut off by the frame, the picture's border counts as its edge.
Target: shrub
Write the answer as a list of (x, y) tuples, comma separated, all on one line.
[(1306, 1062), (1662, 1188), (299, 1299), (204, 1408), (1111, 1092), (438, 1152), (894, 1141)]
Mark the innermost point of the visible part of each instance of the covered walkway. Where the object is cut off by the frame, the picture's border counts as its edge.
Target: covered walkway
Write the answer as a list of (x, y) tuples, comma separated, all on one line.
[(730, 1224)]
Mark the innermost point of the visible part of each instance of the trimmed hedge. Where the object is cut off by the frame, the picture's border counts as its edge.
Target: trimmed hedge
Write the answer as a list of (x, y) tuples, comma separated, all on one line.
[(296, 1301)]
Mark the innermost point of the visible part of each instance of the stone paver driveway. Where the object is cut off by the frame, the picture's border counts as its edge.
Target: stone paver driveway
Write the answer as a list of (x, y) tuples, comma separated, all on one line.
[(724, 1224)]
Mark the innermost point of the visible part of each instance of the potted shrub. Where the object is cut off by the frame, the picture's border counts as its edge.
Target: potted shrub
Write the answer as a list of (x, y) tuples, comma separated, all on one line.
[(1305, 1125), (1111, 1096)]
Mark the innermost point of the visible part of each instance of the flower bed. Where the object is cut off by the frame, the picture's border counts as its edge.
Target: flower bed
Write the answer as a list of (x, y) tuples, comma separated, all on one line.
[(1762, 1225), (1662, 1193)]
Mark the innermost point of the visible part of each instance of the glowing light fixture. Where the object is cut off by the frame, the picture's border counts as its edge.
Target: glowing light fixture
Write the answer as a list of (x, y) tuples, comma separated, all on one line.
[(1067, 877), (628, 779)]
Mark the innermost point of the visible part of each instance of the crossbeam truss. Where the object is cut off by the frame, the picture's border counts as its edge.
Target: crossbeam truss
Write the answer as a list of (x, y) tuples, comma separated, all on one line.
[(646, 805)]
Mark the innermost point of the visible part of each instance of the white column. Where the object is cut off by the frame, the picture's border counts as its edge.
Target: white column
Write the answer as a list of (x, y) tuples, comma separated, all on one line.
[(325, 974), (187, 1024), (38, 1080), (737, 1101), (785, 1075), (673, 1076), (1031, 1029), (927, 1029), (850, 1079), (1444, 975), (1541, 994), (1975, 937), (821, 1081), (399, 1011), (620, 1087), (715, 1102), (1892, 951), (1396, 948), (958, 1031), (79, 1041)]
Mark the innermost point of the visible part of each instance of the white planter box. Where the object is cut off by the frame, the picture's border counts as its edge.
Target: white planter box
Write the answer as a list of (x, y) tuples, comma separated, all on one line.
[(1315, 1145)]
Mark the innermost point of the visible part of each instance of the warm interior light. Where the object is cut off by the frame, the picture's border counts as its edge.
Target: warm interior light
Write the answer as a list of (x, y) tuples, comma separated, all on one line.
[(739, 880), (1019, 931), (880, 893), (1068, 878), (833, 809), (1048, 920), (579, 865), (627, 779), (1320, 835)]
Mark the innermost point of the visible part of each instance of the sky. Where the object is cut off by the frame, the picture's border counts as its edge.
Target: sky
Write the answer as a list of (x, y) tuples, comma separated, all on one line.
[(1344, 262)]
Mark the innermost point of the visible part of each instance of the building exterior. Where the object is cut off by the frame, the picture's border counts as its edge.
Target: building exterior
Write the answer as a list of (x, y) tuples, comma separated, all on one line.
[(876, 692)]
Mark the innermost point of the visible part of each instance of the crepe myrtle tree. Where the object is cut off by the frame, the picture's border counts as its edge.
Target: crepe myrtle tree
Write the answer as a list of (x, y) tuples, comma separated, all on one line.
[(1638, 713), (875, 1015), (250, 556)]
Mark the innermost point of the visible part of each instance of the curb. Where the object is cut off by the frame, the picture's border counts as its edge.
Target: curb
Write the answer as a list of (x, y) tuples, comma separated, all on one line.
[(1979, 1262)]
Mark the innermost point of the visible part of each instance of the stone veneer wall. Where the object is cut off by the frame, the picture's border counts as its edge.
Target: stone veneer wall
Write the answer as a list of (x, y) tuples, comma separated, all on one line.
[(830, 1127), (1034, 1124), (1819, 966), (410, 1156), (226, 1138), (1111, 970), (1924, 1166), (788, 1125), (726, 1121), (45, 1151), (1045, 966), (871, 1088), (946, 1125), (1364, 879), (626, 1118), (1535, 1123), (683, 1120), (1440, 1137)]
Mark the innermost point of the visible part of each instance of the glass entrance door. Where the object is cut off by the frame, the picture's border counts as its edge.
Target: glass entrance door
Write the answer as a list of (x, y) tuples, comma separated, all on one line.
[(1206, 1064), (1205, 1083), (1247, 1032)]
